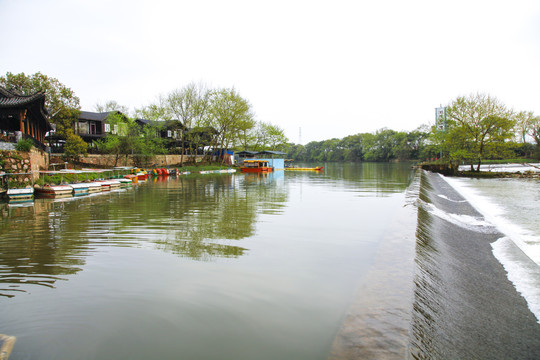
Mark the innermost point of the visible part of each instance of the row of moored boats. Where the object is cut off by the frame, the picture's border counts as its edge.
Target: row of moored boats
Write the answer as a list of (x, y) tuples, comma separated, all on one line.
[(81, 188)]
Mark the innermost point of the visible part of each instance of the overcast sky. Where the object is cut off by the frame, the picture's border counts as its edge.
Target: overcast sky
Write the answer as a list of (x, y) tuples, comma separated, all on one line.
[(330, 68)]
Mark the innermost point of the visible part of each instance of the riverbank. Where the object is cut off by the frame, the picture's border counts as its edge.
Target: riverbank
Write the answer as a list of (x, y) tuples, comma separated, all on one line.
[(508, 170), (511, 170)]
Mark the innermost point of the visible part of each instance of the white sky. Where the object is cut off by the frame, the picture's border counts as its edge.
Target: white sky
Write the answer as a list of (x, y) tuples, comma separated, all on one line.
[(332, 68)]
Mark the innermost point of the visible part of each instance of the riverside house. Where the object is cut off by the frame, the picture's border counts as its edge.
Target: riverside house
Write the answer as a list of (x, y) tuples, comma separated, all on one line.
[(91, 126), (23, 117)]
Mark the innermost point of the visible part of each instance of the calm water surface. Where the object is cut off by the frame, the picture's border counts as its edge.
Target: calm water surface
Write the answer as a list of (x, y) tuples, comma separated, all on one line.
[(241, 266)]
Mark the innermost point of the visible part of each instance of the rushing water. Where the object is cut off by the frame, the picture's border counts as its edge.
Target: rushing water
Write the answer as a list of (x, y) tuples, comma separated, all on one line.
[(469, 266), (359, 261)]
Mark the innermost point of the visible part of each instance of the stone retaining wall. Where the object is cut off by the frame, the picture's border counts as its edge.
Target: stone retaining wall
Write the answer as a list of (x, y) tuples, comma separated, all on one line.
[(157, 160), (27, 164)]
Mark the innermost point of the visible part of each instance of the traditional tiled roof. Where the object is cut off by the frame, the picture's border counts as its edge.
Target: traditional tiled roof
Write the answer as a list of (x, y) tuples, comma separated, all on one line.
[(9, 99)]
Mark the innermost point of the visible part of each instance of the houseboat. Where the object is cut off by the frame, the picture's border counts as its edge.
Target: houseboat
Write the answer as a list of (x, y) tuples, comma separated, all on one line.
[(251, 166)]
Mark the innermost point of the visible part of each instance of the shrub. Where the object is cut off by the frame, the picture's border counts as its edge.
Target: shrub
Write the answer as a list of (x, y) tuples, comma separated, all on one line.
[(24, 145)]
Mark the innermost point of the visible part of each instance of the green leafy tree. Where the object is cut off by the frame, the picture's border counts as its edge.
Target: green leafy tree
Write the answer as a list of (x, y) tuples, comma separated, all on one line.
[(189, 105), (478, 127), (112, 105), (247, 134), (380, 146), (276, 137), (75, 147), (228, 111), (534, 132), (156, 111), (123, 138)]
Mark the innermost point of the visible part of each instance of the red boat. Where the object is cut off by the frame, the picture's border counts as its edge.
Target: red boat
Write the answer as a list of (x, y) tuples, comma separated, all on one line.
[(251, 166)]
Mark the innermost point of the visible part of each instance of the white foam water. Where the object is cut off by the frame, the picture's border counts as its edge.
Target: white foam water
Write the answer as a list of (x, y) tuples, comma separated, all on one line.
[(447, 198), (525, 275), (494, 213), (464, 221)]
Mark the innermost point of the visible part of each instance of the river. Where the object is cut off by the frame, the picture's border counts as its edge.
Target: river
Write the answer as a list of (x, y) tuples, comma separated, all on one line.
[(343, 264)]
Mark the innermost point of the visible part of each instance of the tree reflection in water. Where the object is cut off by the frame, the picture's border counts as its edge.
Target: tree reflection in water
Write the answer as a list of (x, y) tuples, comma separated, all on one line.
[(196, 217)]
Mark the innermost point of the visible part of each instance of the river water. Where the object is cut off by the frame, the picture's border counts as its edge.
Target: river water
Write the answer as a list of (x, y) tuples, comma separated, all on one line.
[(353, 262)]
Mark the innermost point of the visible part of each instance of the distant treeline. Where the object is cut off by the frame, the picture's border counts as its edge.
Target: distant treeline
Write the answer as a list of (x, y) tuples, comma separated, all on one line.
[(383, 145)]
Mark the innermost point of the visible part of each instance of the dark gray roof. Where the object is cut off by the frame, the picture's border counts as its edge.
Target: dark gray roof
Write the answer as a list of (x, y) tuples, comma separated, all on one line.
[(268, 152), (144, 121), (246, 153), (88, 115)]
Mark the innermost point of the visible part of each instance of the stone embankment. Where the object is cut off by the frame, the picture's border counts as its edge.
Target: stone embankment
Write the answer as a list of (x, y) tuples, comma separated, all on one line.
[(25, 164)]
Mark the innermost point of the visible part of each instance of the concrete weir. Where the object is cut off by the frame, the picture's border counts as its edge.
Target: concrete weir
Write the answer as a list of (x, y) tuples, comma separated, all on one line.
[(464, 305)]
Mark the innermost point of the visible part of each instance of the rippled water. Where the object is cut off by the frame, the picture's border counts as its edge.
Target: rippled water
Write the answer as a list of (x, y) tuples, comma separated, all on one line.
[(241, 266)]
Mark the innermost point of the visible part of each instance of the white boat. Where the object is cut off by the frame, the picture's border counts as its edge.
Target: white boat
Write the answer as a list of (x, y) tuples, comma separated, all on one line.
[(94, 187), (79, 188), (53, 190), (114, 183), (107, 185), (22, 194)]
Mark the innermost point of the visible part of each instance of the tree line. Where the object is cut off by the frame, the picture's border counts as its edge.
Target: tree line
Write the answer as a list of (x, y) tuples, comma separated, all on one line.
[(476, 127), (383, 145)]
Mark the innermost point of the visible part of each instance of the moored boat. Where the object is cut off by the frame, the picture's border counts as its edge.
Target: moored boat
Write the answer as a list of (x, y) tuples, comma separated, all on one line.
[(22, 194), (256, 166), (48, 190), (319, 168), (142, 176), (79, 189), (125, 182), (132, 177), (110, 184), (16, 194), (94, 187)]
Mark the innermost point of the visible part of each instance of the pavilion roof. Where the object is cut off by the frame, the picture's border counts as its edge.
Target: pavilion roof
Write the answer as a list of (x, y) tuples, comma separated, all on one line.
[(11, 99)]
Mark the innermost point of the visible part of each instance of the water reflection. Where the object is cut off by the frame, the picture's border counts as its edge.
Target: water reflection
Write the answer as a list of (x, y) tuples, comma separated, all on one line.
[(196, 217), (365, 179), (199, 217)]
